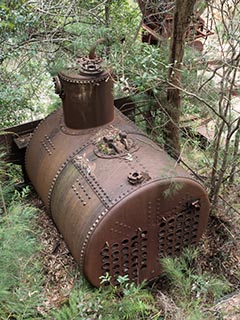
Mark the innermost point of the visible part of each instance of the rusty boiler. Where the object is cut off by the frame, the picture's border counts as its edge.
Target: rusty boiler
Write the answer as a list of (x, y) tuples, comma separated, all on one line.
[(120, 202)]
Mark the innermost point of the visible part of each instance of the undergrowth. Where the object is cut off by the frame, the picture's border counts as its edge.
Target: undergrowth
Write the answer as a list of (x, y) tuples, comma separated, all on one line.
[(20, 269), (123, 301), (192, 289)]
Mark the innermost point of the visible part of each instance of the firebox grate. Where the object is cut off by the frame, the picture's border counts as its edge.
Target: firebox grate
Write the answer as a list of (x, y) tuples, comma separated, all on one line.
[(127, 257), (177, 232)]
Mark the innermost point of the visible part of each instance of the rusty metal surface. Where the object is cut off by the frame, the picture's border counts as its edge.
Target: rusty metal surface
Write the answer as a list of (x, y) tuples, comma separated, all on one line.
[(11, 137), (14, 140), (158, 24), (119, 200), (146, 226), (86, 93), (98, 209)]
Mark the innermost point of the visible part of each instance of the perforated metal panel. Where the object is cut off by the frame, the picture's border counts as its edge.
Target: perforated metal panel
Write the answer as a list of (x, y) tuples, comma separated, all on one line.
[(137, 232), (177, 232), (127, 257)]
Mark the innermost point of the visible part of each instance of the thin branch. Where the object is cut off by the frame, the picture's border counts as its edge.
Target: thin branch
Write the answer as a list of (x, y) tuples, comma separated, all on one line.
[(199, 99)]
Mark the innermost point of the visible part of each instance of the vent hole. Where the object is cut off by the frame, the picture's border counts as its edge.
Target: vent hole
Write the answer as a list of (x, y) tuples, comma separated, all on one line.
[(180, 218), (115, 254), (116, 267), (124, 242), (135, 252), (115, 246), (135, 272), (105, 266), (179, 232), (188, 221), (125, 250), (105, 251), (143, 262), (105, 259), (171, 221), (143, 267), (162, 233), (115, 260), (135, 259), (134, 244), (134, 238)]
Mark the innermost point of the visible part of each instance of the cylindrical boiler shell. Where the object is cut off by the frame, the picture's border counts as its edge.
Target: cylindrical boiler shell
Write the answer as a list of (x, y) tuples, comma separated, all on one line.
[(111, 223)]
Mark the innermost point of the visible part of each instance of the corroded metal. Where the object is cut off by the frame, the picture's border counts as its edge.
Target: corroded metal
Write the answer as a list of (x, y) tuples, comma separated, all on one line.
[(158, 23), (86, 93), (120, 202)]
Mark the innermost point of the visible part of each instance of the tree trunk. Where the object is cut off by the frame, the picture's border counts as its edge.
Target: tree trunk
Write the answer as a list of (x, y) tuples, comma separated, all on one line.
[(182, 15)]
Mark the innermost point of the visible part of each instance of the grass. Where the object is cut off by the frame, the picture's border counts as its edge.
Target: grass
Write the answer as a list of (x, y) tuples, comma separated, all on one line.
[(21, 279), (20, 269), (193, 289)]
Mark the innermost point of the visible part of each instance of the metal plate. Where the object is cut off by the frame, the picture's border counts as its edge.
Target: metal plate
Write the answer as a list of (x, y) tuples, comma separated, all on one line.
[(144, 227)]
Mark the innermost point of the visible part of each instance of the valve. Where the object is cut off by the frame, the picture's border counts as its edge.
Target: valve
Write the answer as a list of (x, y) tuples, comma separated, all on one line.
[(135, 177)]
